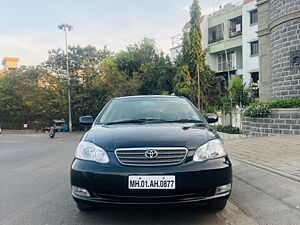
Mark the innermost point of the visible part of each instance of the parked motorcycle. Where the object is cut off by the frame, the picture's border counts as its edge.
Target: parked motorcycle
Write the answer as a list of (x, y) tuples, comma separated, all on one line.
[(52, 132)]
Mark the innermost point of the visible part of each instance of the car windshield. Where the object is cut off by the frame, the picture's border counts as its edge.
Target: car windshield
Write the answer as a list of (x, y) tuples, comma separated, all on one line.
[(156, 109)]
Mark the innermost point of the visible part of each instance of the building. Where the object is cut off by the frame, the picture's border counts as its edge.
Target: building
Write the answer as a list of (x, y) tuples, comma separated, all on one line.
[(177, 39), (10, 63), (229, 35), (279, 39)]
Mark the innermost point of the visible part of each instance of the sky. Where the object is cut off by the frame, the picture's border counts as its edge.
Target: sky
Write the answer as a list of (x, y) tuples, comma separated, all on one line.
[(29, 27)]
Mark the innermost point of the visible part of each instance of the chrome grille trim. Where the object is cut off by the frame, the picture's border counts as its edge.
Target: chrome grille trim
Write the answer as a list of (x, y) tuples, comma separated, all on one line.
[(167, 156)]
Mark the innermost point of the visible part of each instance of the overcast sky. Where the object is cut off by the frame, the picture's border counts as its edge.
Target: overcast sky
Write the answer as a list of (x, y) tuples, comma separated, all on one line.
[(29, 27)]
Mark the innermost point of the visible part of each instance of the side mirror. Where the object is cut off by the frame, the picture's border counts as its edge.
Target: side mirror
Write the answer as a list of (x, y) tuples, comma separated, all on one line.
[(211, 118), (86, 120)]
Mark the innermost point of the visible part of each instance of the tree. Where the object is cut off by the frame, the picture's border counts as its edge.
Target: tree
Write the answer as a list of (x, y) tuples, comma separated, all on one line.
[(185, 85), (196, 52), (131, 60), (192, 57), (114, 83), (238, 92), (84, 64), (32, 96), (154, 69)]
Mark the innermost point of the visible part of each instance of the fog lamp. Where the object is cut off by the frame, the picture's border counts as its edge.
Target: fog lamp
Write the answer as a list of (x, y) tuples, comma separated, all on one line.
[(80, 191), (223, 189)]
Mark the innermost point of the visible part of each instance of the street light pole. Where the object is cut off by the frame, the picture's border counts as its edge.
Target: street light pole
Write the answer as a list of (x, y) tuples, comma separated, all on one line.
[(67, 27), (198, 80)]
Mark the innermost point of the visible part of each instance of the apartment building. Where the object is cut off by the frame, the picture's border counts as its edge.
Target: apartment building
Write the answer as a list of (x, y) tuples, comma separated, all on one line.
[(10, 63), (229, 35)]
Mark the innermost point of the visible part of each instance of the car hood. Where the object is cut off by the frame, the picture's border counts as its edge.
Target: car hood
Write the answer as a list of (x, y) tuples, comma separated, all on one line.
[(112, 137)]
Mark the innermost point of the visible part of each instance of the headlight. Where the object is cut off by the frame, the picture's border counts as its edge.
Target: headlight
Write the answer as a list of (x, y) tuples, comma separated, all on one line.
[(89, 151), (210, 150)]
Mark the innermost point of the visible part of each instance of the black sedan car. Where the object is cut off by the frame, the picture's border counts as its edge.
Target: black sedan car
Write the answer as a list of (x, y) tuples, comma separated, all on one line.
[(150, 150)]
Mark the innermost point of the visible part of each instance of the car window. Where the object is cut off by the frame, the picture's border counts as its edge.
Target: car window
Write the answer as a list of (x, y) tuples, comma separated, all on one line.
[(168, 109)]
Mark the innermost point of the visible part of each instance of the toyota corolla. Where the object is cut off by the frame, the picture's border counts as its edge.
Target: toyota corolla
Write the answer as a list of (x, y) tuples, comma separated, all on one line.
[(150, 150)]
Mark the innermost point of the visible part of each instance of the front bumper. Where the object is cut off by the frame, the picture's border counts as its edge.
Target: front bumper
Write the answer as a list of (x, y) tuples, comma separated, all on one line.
[(108, 184)]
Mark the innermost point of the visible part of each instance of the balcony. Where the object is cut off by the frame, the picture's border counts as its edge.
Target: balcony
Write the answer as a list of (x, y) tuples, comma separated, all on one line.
[(235, 28)]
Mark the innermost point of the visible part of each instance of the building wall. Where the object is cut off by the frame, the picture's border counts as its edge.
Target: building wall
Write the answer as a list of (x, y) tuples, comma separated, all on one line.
[(10, 63), (279, 122), (222, 17), (285, 37), (240, 44), (265, 93), (250, 63), (279, 36)]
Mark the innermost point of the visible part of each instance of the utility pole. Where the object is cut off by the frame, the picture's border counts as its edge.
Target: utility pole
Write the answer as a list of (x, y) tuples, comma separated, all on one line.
[(198, 76), (67, 27), (228, 74)]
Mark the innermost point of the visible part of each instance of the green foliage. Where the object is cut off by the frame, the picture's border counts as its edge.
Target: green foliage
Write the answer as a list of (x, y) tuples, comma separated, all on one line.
[(196, 52), (227, 129), (211, 109), (281, 103), (32, 96), (38, 95), (258, 110), (192, 57), (238, 93), (185, 85)]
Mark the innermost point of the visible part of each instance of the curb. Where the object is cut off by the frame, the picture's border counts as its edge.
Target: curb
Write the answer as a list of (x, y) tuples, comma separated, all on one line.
[(280, 173)]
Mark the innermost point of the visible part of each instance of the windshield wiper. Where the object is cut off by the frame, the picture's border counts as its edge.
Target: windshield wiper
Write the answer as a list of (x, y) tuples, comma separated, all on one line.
[(135, 121), (185, 121)]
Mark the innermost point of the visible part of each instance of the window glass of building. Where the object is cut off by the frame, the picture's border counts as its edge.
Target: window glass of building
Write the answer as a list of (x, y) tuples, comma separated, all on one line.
[(235, 26), (253, 17), (215, 33), (254, 48)]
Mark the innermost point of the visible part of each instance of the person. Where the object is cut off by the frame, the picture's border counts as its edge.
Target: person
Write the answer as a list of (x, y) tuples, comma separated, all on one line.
[(52, 132)]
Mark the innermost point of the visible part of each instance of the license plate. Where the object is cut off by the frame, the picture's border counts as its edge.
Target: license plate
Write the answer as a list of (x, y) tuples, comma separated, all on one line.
[(151, 182)]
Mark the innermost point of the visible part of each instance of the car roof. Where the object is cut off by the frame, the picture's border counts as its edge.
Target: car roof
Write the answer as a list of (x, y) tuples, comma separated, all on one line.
[(148, 96)]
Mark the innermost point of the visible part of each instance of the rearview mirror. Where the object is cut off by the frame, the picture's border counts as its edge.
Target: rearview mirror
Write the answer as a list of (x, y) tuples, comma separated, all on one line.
[(86, 120), (211, 118)]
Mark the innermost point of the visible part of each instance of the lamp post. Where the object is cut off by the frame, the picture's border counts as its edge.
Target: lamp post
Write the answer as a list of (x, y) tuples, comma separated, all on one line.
[(67, 27)]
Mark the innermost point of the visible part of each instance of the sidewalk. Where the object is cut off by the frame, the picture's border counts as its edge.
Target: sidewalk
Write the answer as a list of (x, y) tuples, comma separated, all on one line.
[(281, 153)]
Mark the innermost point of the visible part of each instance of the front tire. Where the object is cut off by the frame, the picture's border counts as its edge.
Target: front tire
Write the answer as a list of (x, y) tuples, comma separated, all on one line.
[(217, 205), (82, 206)]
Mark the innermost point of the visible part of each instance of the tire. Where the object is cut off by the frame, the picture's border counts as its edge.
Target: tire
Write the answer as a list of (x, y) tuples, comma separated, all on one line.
[(82, 206), (217, 205)]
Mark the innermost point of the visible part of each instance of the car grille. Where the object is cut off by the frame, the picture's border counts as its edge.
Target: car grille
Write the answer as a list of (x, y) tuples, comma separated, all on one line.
[(166, 156)]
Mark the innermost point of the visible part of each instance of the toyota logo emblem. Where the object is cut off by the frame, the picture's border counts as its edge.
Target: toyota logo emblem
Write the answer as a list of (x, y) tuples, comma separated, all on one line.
[(151, 154)]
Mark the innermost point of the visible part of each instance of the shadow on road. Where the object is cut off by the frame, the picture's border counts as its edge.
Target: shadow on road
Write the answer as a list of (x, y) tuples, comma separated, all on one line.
[(151, 215)]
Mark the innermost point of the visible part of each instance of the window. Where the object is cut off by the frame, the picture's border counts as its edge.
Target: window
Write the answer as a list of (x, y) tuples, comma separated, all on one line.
[(235, 26), (222, 61), (253, 16), (156, 108), (255, 77), (254, 48), (215, 33)]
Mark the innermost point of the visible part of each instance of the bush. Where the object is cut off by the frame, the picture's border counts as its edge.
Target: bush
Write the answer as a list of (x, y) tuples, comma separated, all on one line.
[(257, 110), (227, 129), (282, 103), (285, 103)]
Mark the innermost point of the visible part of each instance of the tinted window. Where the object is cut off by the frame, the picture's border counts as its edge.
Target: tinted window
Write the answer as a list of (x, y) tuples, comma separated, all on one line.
[(254, 48), (215, 33), (169, 109), (253, 16)]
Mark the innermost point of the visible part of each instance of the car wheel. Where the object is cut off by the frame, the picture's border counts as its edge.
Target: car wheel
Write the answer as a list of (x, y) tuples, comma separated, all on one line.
[(82, 206), (217, 205)]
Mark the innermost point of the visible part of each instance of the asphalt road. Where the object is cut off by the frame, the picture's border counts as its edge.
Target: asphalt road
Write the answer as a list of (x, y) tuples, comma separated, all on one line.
[(35, 189)]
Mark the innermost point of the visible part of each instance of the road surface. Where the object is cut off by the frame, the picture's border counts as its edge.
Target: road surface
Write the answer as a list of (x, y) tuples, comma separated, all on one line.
[(34, 189)]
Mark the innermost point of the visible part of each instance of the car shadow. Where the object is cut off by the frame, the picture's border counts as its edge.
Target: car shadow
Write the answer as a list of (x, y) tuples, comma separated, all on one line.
[(191, 214)]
